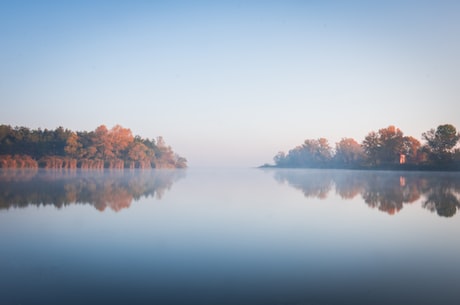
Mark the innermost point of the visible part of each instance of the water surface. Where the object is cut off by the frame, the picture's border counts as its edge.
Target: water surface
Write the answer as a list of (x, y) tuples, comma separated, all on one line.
[(229, 237)]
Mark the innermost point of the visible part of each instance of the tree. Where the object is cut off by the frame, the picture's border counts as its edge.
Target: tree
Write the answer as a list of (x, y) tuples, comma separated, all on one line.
[(348, 152), (440, 142), (181, 162), (73, 146), (137, 151), (88, 149), (312, 153), (456, 155), (411, 149), (114, 148), (60, 136), (384, 147), (139, 155), (280, 159), (103, 143), (391, 144), (315, 152), (324, 151), (164, 155), (120, 139), (371, 146)]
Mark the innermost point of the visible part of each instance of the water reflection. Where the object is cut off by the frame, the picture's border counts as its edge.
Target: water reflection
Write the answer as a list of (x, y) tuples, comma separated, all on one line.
[(115, 190), (386, 191)]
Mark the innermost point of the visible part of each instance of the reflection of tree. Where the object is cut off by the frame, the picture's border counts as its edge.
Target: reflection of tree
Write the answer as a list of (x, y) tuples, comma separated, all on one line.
[(113, 189), (349, 186), (388, 191), (443, 202), (384, 193), (313, 183), (384, 190), (442, 195), (17, 174)]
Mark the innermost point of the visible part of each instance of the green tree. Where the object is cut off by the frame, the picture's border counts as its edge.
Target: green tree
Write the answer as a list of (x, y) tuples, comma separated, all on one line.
[(312, 153), (440, 142), (371, 147)]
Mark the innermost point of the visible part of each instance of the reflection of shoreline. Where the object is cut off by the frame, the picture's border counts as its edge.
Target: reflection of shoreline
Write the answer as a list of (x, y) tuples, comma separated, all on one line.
[(386, 191), (108, 188)]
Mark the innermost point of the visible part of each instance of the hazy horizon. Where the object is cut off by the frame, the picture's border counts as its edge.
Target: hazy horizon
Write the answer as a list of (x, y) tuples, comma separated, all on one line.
[(231, 83)]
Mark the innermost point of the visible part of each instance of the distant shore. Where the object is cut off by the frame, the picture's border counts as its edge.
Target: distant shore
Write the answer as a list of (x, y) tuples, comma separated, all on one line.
[(385, 149), (115, 148), (454, 167)]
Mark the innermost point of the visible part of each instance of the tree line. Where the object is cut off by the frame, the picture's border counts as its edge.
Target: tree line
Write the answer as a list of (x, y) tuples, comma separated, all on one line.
[(117, 191), (388, 148), (22, 147), (386, 192)]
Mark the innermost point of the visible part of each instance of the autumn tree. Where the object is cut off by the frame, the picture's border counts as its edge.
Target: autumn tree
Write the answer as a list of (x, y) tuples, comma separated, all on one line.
[(411, 149), (391, 144), (73, 146), (120, 138), (63, 148), (102, 143), (385, 146), (164, 155), (138, 155), (348, 152)]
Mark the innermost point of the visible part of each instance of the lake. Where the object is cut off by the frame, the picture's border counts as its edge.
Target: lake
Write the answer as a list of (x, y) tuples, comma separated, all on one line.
[(229, 236)]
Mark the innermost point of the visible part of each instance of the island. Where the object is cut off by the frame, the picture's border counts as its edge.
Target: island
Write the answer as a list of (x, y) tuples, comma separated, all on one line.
[(115, 148), (388, 148)]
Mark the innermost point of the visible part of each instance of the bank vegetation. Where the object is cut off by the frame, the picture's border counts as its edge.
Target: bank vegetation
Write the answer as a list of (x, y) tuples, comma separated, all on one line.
[(115, 148), (387, 148)]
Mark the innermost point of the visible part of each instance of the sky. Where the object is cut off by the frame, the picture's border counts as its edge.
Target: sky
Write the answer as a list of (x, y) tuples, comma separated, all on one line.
[(231, 83)]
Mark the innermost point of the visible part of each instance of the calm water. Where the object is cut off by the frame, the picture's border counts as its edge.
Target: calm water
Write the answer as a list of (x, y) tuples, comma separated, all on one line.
[(229, 237)]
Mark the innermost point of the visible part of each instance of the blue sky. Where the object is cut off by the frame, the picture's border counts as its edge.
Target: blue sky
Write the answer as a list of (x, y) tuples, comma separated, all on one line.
[(231, 83)]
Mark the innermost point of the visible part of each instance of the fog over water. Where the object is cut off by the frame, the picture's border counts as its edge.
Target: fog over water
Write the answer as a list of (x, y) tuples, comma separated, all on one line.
[(229, 237)]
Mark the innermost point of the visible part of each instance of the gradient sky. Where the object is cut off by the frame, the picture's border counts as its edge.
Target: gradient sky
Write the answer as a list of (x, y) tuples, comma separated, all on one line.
[(231, 83)]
